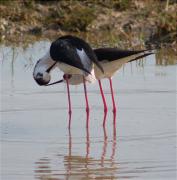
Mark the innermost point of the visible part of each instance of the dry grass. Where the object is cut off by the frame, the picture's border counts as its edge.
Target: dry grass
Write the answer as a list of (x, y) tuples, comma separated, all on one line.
[(121, 22)]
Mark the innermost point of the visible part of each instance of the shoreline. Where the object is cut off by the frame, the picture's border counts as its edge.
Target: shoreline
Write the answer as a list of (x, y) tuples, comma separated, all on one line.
[(131, 24)]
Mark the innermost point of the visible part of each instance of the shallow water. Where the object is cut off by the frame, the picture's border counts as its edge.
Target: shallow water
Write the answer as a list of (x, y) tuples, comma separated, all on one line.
[(35, 141)]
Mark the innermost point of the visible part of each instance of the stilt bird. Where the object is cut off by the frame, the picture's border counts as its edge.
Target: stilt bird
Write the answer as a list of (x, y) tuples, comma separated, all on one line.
[(81, 64)]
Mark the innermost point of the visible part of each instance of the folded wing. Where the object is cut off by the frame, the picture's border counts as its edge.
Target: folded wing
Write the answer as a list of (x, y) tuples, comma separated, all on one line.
[(112, 54), (112, 59), (75, 52)]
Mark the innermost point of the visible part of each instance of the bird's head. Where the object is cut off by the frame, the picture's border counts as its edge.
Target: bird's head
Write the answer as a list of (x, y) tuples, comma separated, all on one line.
[(42, 78), (42, 70)]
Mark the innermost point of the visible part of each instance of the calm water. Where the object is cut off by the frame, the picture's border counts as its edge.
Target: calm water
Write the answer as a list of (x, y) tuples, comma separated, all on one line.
[(35, 141)]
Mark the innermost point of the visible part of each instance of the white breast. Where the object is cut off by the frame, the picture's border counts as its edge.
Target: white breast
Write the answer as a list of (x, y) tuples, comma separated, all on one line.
[(67, 69), (78, 78)]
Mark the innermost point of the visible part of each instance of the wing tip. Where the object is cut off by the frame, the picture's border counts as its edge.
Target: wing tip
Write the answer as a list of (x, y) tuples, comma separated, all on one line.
[(142, 56), (153, 51)]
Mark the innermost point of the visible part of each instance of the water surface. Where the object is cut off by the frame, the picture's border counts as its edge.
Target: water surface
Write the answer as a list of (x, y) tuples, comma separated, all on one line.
[(35, 140)]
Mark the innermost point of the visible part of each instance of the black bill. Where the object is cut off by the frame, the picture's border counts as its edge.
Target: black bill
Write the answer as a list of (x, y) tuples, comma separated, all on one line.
[(56, 82), (48, 70)]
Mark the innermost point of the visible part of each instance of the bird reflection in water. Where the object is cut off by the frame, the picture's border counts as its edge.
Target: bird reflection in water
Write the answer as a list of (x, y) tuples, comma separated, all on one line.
[(79, 167), (104, 167), (43, 169)]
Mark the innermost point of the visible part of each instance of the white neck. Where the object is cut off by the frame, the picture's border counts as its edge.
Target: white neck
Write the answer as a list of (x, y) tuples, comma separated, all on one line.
[(43, 64)]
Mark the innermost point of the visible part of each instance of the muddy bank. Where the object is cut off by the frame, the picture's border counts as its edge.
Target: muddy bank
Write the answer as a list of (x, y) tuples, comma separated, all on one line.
[(121, 23)]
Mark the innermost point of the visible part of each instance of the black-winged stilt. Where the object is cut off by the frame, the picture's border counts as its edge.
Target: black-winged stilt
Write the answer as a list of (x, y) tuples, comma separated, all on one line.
[(73, 56), (111, 60), (76, 59)]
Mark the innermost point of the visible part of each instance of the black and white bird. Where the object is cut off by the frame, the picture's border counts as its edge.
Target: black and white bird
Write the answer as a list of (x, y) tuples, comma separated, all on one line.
[(73, 56), (81, 64), (111, 59)]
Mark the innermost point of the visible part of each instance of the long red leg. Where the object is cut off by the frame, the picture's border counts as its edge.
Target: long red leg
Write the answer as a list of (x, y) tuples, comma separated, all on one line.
[(113, 101), (69, 102), (104, 102), (86, 100)]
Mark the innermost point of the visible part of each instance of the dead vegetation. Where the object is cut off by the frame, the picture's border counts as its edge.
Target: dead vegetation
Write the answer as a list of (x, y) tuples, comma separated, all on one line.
[(148, 22)]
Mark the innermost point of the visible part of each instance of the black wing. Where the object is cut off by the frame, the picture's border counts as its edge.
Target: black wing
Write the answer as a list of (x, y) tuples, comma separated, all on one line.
[(111, 54), (64, 49)]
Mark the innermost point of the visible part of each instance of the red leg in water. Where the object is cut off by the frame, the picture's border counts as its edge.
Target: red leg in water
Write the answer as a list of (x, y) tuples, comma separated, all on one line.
[(69, 101), (87, 144), (113, 146), (104, 147), (113, 101), (86, 100), (104, 102)]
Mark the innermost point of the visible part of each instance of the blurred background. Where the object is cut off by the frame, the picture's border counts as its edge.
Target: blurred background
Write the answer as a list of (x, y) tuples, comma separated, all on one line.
[(120, 22), (132, 24)]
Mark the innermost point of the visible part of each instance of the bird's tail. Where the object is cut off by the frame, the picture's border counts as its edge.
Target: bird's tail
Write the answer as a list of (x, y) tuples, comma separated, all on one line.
[(142, 55), (133, 57)]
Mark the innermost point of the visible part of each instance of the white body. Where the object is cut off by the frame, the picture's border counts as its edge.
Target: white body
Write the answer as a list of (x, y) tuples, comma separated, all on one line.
[(109, 67)]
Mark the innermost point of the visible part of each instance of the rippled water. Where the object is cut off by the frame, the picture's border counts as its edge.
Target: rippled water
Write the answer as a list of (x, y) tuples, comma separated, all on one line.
[(35, 141)]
